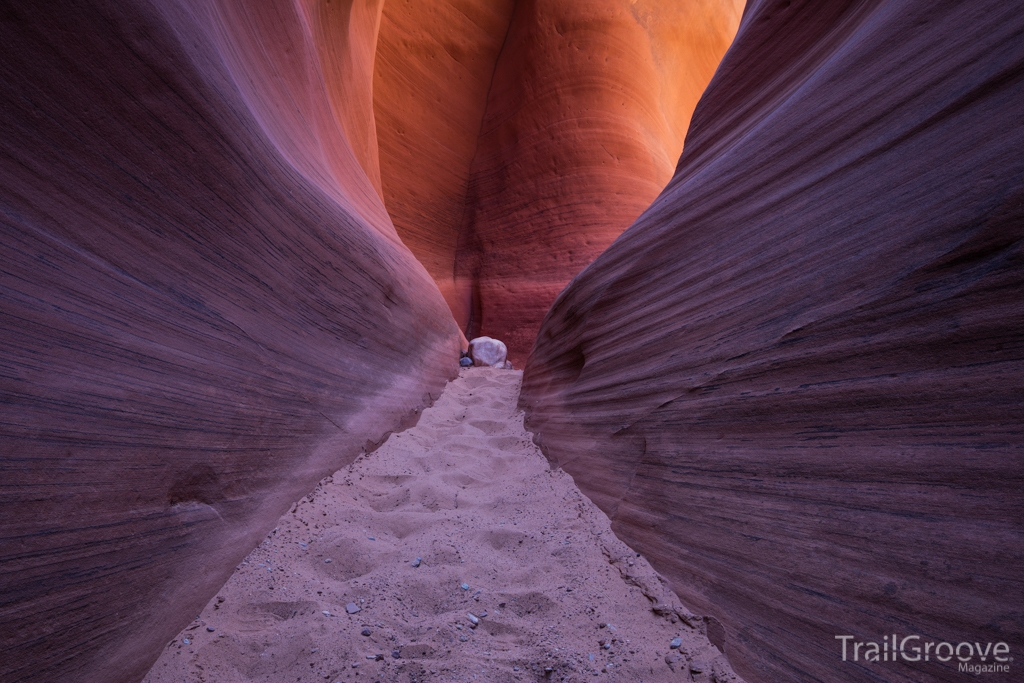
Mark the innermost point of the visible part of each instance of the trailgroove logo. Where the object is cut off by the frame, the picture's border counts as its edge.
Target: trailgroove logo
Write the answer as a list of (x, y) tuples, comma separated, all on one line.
[(972, 658)]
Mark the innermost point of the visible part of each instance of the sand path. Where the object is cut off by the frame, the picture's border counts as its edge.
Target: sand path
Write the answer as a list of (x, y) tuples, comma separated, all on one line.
[(499, 535)]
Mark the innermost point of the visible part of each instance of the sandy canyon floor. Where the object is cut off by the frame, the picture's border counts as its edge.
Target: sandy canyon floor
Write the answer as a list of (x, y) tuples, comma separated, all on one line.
[(451, 553)]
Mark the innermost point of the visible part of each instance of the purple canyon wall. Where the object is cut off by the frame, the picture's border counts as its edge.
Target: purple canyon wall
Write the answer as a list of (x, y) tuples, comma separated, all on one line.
[(205, 307), (796, 383)]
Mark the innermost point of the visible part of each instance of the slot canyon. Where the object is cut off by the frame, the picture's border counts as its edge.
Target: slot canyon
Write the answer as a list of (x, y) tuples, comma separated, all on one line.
[(244, 243)]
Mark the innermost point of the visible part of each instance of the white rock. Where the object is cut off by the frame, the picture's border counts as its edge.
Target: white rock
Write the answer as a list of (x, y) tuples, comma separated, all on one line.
[(487, 351)]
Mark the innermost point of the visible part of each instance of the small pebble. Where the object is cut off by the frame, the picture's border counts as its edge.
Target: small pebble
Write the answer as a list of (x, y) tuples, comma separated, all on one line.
[(473, 619), (326, 613), (676, 643), (463, 639), (483, 614), (396, 654), (515, 668), (186, 641), (365, 631), (352, 608), (210, 629), (696, 668), (327, 561), (371, 538), (464, 586), (416, 562), (607, 646)]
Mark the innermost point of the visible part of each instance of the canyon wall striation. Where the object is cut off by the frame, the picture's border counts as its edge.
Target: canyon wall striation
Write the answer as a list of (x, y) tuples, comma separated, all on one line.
[(205, 307), (230, 232), (795, 382)]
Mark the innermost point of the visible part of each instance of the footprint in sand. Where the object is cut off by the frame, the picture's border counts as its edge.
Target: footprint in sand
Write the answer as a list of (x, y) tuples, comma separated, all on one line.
[(499, 536)]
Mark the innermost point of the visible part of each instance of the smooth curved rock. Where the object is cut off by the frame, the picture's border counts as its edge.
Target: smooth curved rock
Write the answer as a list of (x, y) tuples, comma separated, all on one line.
[(794, 382), (433, 69), (585, 119), (204, 309), (515, 146), (487, 351)]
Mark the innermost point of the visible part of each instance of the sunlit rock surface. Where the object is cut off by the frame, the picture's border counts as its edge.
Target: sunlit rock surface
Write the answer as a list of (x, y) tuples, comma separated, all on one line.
[(795, 381), (433, 70), (204, 307), (518, 139)]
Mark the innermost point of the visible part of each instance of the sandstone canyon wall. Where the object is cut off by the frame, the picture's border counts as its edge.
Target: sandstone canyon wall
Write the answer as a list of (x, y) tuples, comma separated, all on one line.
[(519, 139), (795, 382), (433, 70), (205, 307)]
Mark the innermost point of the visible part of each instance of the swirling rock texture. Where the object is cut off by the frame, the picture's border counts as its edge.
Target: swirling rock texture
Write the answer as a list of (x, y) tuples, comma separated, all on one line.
[(519, 139), (205, 307), (795, 381)]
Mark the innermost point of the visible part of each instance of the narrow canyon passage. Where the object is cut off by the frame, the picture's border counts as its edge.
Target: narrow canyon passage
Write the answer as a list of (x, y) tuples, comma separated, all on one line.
[(374, 575), (761, 263)]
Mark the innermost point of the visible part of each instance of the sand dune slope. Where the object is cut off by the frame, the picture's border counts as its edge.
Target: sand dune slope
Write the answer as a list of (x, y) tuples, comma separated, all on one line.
[(500, 536)]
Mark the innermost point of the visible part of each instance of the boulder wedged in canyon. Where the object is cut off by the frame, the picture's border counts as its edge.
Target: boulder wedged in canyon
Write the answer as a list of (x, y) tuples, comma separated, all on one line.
[(795, 382), (205, 309)]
